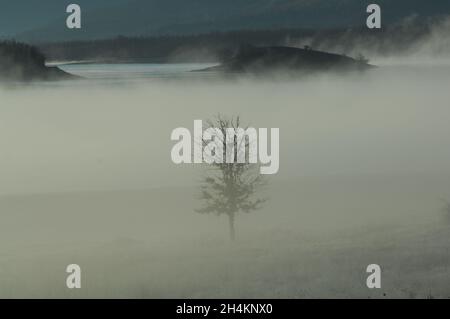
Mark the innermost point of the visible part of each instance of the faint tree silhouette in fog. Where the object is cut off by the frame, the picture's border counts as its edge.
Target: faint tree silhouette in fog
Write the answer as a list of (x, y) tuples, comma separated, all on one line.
[(362, 59), (230, 188), (447, 208)]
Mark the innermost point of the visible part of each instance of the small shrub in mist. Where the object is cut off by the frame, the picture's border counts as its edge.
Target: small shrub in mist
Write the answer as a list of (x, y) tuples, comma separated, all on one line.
[(446, 209), (362, 59), (230, 188)]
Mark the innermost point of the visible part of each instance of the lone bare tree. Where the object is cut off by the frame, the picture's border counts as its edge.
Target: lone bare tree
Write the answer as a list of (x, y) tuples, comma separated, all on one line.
[(232, 187)]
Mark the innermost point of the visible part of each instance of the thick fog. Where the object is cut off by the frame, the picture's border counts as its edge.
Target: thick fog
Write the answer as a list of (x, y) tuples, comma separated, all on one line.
[(87, 178), (94, 136), (411, 41)]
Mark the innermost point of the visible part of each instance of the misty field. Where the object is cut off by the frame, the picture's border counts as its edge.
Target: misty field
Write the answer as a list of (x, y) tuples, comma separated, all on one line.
[(86, 178)]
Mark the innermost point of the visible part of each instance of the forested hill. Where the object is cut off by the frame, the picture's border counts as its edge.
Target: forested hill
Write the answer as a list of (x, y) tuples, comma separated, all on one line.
[(260, 60), (218, 46), (23, 62)]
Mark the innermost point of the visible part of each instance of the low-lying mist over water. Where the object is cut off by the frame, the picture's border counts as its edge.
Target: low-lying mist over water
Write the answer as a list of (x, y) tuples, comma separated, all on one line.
[(91, 135), (86, 178)]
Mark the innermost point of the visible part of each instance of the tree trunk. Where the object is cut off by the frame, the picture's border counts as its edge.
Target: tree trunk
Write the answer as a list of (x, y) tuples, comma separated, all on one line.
[(231, 223)]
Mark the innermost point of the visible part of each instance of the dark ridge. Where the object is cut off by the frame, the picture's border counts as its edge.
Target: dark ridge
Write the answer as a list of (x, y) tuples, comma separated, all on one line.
[(251, 59), (217, 46), (23, 62)]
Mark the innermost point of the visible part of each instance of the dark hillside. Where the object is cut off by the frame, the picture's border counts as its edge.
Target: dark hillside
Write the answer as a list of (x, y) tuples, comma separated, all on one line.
[(266, 59), (23, 62)]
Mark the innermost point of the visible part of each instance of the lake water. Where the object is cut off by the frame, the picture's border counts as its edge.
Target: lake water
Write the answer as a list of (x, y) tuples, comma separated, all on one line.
[(135, 71)]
